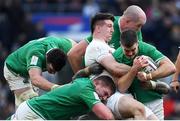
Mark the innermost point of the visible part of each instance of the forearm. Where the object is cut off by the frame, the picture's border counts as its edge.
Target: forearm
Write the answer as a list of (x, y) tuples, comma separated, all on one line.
[(113, 67), (165, 69), (75, 62), (81, 73), (125, 81), (94, 68), (177, 65), (42, 83), (176, 76), (75, 55), (118, 69), (102, 112), (106, 116)]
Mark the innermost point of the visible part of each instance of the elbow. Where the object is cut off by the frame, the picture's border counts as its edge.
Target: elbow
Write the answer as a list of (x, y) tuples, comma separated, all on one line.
[(122, 90), (172, 69)]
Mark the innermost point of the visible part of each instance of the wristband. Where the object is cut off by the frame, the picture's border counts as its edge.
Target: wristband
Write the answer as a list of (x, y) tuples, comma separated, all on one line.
[(149, 76), (153, 84), (54, 87)]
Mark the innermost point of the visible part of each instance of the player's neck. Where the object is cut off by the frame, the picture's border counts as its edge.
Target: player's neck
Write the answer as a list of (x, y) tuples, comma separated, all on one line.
[(99, 38)]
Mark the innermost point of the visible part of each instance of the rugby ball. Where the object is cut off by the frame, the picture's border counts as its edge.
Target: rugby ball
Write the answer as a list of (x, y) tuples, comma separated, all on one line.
[(151, 67)]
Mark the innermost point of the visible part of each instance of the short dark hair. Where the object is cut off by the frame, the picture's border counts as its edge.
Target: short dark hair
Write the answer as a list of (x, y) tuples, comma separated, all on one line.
[(128, 38), (100, 17), (57, 58), (108, 81)]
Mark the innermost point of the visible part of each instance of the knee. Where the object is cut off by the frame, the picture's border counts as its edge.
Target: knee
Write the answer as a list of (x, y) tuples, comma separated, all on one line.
[(131, 108), (137, 109)]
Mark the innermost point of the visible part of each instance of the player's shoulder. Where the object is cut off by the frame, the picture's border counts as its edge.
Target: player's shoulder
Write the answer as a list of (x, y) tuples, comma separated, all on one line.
[(95, 43), (83, 83), (146, 46)]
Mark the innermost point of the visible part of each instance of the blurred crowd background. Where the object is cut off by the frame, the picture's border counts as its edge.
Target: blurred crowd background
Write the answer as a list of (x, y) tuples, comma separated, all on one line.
[(25, 20)]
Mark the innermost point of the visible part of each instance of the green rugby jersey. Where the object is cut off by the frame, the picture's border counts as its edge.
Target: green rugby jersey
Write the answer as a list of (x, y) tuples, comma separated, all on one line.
[(115, 40), (33, 54), (70, 100), (139, 93)]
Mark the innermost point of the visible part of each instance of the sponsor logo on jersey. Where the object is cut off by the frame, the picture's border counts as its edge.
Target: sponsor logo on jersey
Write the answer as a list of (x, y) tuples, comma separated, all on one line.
[(96, 96), (34, 60)]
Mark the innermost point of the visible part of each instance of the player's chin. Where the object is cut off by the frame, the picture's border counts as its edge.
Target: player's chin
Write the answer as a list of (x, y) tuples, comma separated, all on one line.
[(130, 57), (110, 36)]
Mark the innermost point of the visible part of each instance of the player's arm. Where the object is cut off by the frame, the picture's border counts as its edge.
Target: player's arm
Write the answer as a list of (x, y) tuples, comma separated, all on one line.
[(102, 111), (38, 80), (175, 83), (113, 67), (94, 68), (125, 81), (75, 55), (166, 68)]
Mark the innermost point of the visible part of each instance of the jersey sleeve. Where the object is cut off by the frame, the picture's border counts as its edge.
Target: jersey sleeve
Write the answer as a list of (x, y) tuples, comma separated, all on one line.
[(95, 52), (155, 54), (89, 97), (102, 52), (34, 60)]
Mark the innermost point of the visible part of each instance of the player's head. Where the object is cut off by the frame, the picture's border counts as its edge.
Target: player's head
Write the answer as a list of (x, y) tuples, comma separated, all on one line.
[(55, 60), (104, 86), (129, 43), (102, 25), (133, 18)]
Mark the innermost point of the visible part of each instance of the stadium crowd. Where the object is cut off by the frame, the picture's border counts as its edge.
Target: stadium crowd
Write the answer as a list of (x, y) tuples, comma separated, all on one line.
[(162, 29)]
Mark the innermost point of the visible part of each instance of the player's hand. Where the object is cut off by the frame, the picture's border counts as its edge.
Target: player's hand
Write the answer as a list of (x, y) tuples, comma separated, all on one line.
[(95, 68), (140, 62), (175, 86)]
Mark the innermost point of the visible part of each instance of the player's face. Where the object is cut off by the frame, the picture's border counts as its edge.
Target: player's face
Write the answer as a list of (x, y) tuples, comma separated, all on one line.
[(107, 30), (103, 92), (130, 52), (50, 69)]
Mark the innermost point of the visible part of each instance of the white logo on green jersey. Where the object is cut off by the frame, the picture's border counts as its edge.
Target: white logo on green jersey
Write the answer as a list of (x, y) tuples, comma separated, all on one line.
[(96, 96), (34, 60)]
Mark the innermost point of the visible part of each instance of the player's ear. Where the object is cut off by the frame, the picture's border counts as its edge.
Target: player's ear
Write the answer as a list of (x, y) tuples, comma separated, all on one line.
[(128, 20)]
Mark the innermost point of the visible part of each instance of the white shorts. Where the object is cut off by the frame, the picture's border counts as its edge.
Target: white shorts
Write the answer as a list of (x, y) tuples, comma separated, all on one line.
[(157, 108), (15, 81), (24, 112), (113, 102)]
